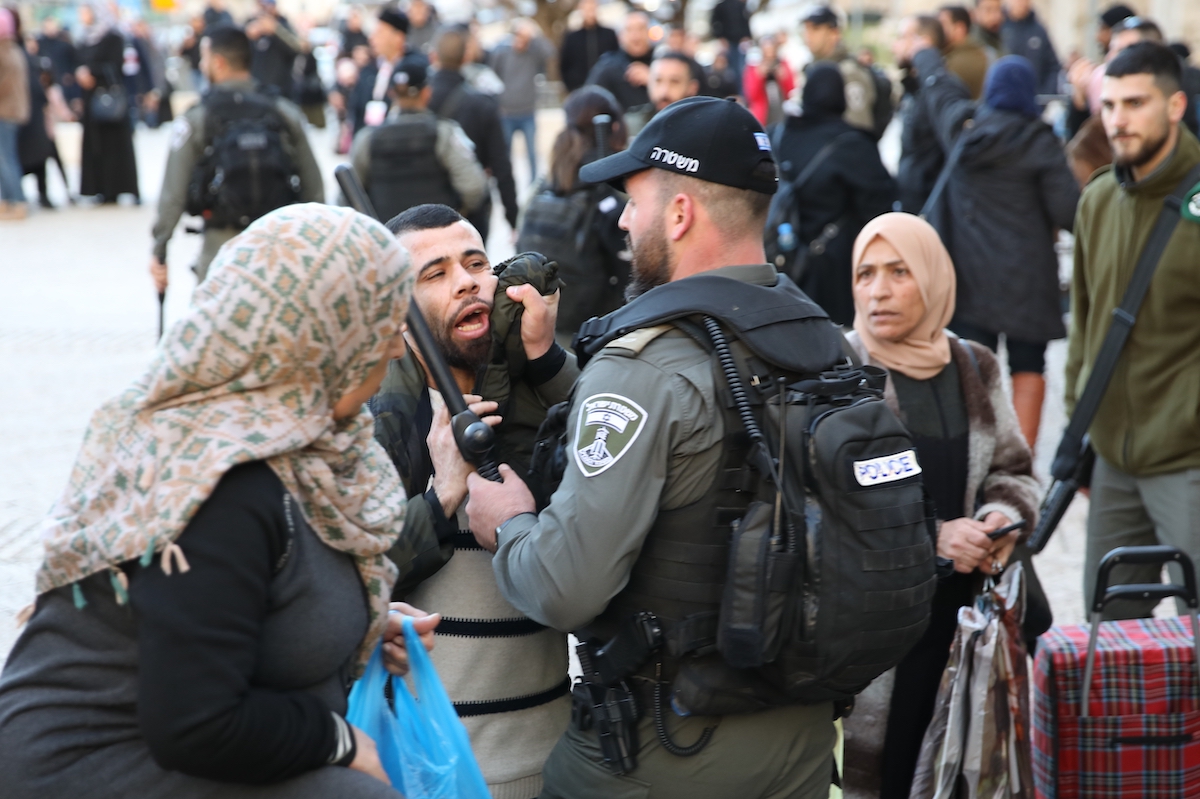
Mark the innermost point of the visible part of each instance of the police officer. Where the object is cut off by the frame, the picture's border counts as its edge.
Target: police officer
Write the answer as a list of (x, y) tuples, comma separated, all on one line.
[(823, 37), (225, 62), (416, 158), (645, 441)]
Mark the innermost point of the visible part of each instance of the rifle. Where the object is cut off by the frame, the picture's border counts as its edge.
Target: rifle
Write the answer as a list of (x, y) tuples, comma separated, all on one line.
[(1059, 497), (474, 437)]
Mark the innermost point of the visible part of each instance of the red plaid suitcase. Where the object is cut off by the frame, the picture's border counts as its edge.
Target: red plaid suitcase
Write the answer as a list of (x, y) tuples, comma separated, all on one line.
[(1135, 733)]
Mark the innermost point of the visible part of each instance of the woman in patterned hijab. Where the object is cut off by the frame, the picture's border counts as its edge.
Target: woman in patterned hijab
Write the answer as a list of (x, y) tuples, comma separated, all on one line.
[(247, 433)]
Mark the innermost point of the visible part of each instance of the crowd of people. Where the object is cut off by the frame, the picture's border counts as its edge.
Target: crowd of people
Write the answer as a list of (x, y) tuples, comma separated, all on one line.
[(249, 520)]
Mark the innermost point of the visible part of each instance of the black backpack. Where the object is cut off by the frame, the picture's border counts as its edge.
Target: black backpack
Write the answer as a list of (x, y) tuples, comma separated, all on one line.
[(782, 235), (245, 172), (560, 227), (832, 567), (884, 107)]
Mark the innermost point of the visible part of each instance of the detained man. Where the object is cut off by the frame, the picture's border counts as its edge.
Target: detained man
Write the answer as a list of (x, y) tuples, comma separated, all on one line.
[(506, 674)]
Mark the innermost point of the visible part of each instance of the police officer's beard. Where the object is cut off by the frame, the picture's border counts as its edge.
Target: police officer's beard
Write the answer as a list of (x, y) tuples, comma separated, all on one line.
[(1152, 144), (651, 265)]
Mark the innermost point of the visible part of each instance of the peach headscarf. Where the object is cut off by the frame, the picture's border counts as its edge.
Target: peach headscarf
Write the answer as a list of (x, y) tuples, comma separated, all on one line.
[(926, 350)]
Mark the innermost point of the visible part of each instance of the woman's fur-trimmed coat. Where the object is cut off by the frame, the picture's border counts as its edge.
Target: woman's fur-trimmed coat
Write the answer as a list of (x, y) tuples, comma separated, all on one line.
[(999, 478)]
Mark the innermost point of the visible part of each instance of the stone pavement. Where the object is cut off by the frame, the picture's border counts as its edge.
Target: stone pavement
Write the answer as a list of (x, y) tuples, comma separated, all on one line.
[(78, 319)]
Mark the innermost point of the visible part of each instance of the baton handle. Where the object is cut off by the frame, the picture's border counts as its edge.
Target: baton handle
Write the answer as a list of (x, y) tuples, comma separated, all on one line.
[(602, 123)]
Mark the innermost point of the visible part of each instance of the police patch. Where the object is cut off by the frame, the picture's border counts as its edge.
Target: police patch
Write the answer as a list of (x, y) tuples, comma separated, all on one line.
[(608, 426), (181, 131)]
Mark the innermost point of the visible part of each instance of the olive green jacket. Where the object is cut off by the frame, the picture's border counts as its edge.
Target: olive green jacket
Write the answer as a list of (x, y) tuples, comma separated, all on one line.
[(403, 416), (1149, 420)]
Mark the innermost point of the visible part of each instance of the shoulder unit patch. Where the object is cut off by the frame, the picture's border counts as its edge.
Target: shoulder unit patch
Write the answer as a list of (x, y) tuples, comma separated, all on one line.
[(608, 426), (1190, 210)]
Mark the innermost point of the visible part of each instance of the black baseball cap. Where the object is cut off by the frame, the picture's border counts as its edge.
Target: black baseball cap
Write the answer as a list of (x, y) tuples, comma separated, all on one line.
[(393, 16), (411, 74), (701, 137), (821, 15)]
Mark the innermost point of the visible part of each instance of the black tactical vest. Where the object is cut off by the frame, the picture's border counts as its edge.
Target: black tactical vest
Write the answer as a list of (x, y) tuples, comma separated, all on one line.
[(405, 170)]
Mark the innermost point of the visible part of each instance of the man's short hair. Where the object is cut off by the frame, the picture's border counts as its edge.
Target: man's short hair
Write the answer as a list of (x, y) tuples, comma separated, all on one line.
[(675, 55), (732, 210), (1149, 58), (428, 216), (931, 28), (958, 15), (451, 48), (232, 44)]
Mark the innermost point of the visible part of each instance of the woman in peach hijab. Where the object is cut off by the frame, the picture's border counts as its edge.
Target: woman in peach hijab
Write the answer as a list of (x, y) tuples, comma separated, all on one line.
[(977, 468)]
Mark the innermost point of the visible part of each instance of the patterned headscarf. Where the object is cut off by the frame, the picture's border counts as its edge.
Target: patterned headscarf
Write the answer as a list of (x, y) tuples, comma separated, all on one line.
[(106, 20), (296, 311)]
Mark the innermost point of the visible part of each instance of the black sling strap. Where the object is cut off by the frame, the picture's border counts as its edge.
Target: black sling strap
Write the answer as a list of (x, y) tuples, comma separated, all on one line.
[(1124, 316)]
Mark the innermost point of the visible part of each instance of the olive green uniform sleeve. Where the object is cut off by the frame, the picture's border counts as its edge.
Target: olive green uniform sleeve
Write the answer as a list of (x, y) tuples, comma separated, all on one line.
[(312, 186), (558, 388), (187, 148), (563, 567), (360, 156), (457, 155)]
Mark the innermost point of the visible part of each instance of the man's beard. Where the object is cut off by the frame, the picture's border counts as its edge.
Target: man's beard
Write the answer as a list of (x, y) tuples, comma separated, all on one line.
[(469, 355), (651, 264), (1144, 154)]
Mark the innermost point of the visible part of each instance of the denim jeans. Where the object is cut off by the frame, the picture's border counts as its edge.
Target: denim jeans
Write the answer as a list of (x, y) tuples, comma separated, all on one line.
[(10, 164), (527, 124)]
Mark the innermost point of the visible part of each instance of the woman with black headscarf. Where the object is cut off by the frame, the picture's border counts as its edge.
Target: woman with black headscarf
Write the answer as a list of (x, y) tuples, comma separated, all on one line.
[(845, 187), (108, 166), (1007, 193)]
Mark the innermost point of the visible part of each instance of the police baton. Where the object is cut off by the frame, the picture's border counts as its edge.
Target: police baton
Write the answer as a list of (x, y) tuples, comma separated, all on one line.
[(474, 437), (603, 125), (162, 301)]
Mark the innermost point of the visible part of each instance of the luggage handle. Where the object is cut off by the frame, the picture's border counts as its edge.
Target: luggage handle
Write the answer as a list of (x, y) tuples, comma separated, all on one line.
[(1103, 595)]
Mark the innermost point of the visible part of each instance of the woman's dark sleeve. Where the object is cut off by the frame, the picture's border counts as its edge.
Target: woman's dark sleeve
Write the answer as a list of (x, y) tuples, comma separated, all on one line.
[(198, 636)]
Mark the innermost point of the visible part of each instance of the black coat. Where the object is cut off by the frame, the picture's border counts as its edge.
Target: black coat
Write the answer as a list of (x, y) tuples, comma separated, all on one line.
[(730, 20), (1009, 192), (272, 62), (108, 166), (921, 156), (581, 50), (33, 143), (609, 73), (479, 117), (850, 187)]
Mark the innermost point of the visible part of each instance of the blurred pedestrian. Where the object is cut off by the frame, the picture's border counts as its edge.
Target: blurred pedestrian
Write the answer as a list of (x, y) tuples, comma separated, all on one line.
[(345, 76), (34, 145), (56, 111), (767, 82), (14, 112), (156, 99), (352, 35), (215, 15), (575, 224), (921, 155), (519, 61), (108, 165), (625, 72), (276, 46), (217, 568), (730, 22), (1008, 192), (1146, 435), (368, 106), (189, 51), (478, 114), (845, 186), (1024, 35), (415, 157), (965, 57), (1088, 150), (1109, 19), (135, 70), (277, 168), (423, 25), (672, 78), (977, 469), (582, 48), (55, 43), (987, 23), (720, 80), (823, 37), (475, 69)]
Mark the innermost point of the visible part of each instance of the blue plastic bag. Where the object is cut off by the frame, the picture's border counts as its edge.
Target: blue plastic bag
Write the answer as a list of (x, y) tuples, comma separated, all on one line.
[(422, 746)]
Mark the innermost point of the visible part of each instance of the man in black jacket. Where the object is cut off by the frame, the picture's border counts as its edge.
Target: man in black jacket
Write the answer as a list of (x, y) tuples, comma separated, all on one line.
[(389, 42), (730, 22), (582, 48), (921, 156), (479, 117), (275, 47), (626, 72)]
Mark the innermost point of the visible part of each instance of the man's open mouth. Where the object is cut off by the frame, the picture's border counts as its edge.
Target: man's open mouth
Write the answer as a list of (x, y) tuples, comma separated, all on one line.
[(473, 322)]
